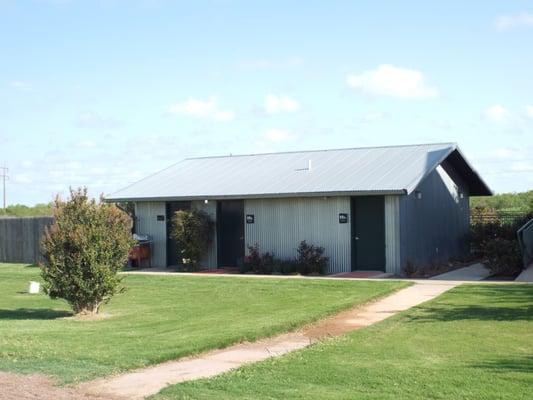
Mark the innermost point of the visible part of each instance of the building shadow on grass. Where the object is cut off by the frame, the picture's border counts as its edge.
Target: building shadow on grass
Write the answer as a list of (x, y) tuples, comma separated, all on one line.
[(489, 303), (32, 313), (519, 364), (474, 313)]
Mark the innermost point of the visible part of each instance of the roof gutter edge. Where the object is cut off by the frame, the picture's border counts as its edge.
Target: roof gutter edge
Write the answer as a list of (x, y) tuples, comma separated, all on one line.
[(260, 196)]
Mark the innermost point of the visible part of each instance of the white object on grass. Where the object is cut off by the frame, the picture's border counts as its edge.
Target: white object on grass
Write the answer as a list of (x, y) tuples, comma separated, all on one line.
[(34, 287)]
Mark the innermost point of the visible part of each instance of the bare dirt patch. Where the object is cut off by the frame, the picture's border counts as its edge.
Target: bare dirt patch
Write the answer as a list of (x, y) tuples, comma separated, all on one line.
[(91, 317), (335, 325), (40, 387)]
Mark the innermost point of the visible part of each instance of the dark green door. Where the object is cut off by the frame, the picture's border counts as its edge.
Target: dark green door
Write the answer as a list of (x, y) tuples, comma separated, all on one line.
[(368, 233), (173, 257), (230, 233)]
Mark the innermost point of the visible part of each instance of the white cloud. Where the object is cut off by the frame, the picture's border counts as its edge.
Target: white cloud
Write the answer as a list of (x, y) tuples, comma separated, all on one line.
[(373, 116), (85, 144), (278, 104), (529, 111), (505, 153), (521, 166), (207, 109), (497, 113), (268, 64), (20, 85), (388, 80), (278, 135), (505, 22), (22, 178), (91, 120)]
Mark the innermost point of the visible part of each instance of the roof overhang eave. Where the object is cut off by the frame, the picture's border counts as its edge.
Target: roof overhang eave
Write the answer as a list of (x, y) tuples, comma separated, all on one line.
[(119, 199)]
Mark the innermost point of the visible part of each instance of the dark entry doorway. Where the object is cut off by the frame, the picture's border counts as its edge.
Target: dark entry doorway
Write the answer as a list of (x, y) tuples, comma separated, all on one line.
[(368, 233), (173, 257), (230, 233)]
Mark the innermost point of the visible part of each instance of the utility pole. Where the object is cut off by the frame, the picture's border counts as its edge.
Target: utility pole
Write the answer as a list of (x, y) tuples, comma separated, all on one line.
[(4, 176)]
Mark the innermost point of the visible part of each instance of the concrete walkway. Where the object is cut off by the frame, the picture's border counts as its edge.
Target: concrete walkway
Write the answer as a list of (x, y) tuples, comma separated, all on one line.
[(474, 272), (526, 275), (148, 381)]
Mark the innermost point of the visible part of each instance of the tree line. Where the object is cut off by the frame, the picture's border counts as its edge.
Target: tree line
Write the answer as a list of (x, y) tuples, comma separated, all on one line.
[(519, 202), (20, 210)]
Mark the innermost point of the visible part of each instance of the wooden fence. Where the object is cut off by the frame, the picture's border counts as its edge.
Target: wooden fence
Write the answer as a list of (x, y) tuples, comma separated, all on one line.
[(20, 239)]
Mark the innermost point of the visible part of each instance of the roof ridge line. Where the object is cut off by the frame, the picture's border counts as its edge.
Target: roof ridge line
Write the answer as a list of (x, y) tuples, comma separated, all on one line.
[(321, 150)]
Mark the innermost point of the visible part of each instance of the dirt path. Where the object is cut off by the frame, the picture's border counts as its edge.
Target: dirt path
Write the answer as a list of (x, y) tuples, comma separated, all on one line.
[(148, 381), (39, 387), (144, 382)]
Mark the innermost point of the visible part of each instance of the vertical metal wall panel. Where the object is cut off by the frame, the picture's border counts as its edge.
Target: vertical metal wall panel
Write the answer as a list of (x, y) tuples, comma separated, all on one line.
[(434, 227), (210, 208), (146, 213), (281, 224), (392, 235)]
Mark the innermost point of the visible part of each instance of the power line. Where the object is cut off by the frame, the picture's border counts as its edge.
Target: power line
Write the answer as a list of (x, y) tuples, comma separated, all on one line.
[(4, 177)]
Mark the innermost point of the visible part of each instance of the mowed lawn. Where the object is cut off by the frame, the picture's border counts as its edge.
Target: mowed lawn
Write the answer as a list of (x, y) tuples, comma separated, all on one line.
[(474, 342), (158, 318)]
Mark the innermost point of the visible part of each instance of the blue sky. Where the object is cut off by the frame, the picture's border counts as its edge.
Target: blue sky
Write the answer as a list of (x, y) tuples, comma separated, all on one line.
[(102, 93)]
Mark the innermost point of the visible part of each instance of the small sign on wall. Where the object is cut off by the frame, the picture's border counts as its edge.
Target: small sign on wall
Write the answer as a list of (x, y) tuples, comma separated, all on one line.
[(343, 218), (250, 218), (160, 217)]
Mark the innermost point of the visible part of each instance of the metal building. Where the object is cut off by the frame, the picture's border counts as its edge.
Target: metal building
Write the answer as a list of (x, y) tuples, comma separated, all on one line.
[(376, 208)]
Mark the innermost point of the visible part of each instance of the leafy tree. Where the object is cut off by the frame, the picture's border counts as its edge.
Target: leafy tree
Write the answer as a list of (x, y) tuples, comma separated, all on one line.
[(20, 210), (83, 250), (519, 202), (193, 232)]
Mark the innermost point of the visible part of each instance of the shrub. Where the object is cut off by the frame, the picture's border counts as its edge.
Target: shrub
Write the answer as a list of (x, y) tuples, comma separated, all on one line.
[(483, 232), (311, 260), (258, 263), (503, 256), (288, 267), (496, 242), (410, 270), (83, 250), (193, 232), (252, 260)]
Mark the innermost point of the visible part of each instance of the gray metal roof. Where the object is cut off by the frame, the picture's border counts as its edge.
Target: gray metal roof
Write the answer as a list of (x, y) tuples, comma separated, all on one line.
[(357, 171)]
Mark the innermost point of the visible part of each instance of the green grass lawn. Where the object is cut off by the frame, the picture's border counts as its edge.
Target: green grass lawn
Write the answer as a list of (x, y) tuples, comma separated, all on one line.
[(474, 342), (158, 318)]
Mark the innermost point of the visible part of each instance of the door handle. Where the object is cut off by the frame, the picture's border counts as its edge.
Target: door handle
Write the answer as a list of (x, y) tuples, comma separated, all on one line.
[(356, 238)]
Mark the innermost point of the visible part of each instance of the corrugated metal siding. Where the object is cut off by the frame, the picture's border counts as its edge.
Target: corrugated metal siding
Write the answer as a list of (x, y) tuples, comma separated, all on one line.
[(434, 228), (378, 170), (211, 208), (147, 223), (392, 235), (281, 224)]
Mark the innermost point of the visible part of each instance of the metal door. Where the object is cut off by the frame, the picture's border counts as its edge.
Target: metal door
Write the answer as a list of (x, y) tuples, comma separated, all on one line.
[(368, 233)]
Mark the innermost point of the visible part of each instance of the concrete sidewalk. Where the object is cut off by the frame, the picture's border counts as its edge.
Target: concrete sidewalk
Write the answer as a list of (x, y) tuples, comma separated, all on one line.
[(148, 381), (474, 272), (526, 275)]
